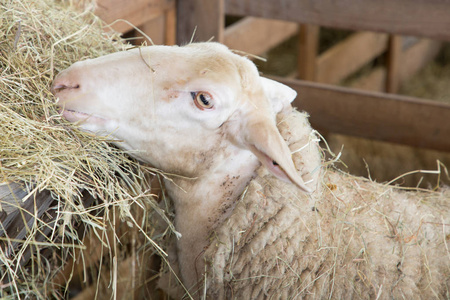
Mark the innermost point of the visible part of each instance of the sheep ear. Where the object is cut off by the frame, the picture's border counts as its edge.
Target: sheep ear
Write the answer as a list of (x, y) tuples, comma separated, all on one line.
[(279, 95), (264, 140)]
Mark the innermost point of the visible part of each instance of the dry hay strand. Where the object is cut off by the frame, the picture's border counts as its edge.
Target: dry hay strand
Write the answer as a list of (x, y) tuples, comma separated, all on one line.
[(44, 157)]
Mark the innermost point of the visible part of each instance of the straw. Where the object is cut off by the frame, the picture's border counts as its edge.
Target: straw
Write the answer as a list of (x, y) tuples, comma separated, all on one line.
[(40, 151)]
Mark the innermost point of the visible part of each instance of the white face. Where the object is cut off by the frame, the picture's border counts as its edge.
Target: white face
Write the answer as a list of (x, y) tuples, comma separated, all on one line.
[(151, 99), (179, 108)]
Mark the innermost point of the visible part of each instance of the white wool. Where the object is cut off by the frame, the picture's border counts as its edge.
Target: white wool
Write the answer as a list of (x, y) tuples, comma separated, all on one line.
[(358, 239)]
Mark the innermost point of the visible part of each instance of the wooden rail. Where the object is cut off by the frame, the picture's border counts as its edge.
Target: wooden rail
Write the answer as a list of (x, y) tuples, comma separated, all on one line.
[(407, 17), (349, 56), (408, 63), (208, 16), (386, 117), (156, 18), (136, 12), (380, 116), (256, 35)]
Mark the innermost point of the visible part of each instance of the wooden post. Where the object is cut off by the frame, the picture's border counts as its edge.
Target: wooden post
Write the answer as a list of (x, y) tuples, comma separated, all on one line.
[(170, 26), (205, 17), (393, 63), (154, 29), (308, 47)]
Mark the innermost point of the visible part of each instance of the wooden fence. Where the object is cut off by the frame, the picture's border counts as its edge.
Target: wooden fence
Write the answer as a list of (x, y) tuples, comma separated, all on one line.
[(381, 116), (154, 18)]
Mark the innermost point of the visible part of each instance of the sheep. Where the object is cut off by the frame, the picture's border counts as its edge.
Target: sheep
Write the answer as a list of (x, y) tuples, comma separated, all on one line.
[(356, 239), (289, 229)]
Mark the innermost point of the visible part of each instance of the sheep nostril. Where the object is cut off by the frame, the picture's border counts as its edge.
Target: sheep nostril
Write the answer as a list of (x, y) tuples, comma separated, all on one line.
[(60, 87)]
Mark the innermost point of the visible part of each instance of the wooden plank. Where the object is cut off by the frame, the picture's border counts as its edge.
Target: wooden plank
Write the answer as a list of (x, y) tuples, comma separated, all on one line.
[(394, 55), (256, 35), (349, 56), (161, 30), (417, 56), (386, 117), (408, 17), (137, 12), (155, 30), (413, 59), (375, 81), (205, 17), (308, 51), (170, 26)]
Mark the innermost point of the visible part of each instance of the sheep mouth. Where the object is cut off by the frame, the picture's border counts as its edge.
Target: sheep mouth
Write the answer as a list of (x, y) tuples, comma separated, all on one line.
[(75, 116)]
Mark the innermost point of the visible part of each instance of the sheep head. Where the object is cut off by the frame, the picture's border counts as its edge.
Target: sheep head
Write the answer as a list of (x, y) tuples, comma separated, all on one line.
[(174, 106)]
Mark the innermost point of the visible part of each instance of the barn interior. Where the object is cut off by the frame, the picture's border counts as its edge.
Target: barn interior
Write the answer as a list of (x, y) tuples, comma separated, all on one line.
[(375, 84)]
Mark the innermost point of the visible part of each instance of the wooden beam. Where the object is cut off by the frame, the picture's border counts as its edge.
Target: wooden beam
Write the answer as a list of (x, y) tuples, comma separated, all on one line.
[(161, 29), (154, 29), (412, 59), (308, 51), (386, 117), (205, 17), (408, 17), (394, 55), (375, 81), (350, 55), (417, 56), (136, 12), (170, 26), (257, 36)]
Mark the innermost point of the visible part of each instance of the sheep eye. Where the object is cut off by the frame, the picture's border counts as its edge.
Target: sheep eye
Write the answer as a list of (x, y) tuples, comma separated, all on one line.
[(203, 100)]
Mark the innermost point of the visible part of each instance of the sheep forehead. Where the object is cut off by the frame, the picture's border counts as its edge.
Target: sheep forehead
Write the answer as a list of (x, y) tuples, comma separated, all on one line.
[(179, 65), (208, 62), (194, 67)]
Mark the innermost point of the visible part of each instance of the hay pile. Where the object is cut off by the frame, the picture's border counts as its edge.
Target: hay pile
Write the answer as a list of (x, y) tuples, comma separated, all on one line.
[(41, 153)]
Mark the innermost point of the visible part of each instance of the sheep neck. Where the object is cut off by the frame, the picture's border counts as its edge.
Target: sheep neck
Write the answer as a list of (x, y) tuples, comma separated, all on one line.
[(202, 204)]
